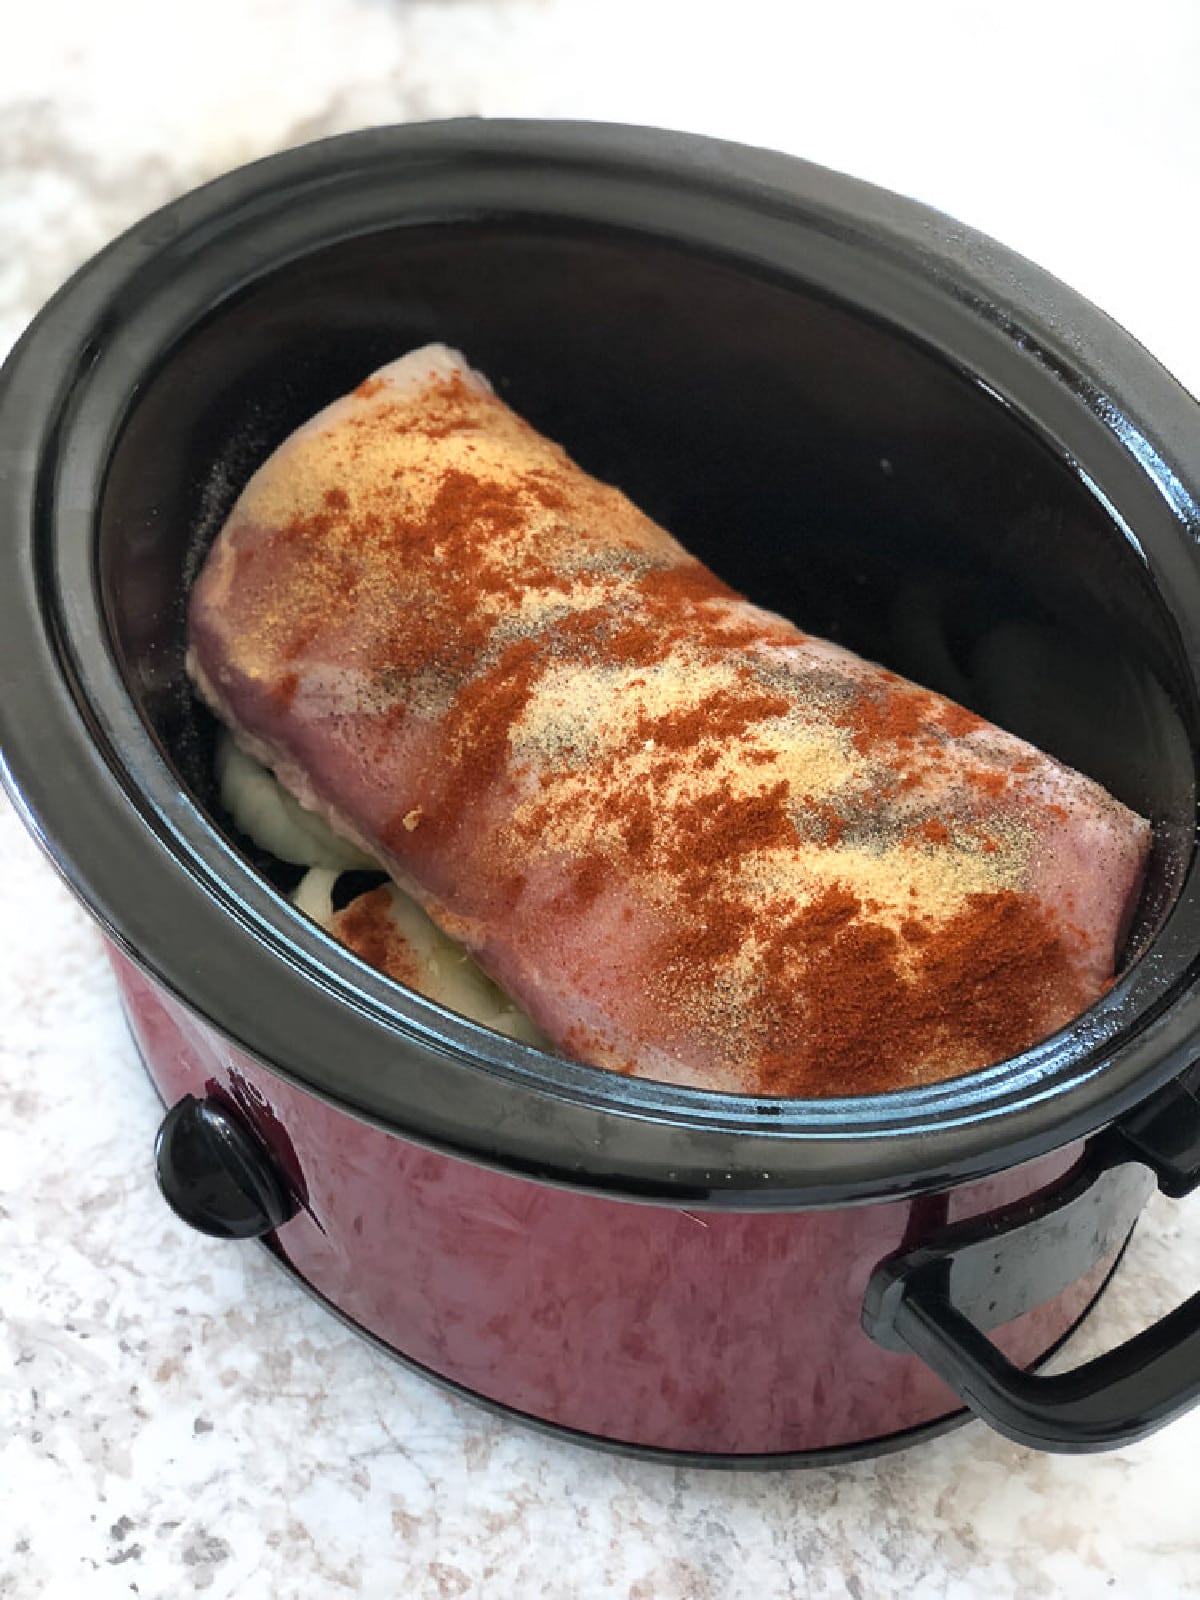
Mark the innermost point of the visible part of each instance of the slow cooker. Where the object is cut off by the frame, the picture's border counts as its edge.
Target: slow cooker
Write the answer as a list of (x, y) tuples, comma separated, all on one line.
[(861, 414)]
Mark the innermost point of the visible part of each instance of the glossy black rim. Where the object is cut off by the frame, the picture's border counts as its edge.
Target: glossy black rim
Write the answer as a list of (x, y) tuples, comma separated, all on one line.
[(95, 788)]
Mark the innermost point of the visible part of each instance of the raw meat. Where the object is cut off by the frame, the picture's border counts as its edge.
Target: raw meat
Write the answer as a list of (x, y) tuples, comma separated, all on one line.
[(689, 840)]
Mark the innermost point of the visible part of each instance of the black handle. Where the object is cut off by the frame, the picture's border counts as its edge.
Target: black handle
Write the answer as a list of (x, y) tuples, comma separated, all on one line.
[(1164, 1132), (216, 1176), (1114, 1400), (937, 1301)]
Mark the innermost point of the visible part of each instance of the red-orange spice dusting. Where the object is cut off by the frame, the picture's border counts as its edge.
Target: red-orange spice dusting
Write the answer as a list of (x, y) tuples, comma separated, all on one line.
[(285, 691), (638, 826), (587, 882), (828, 824), (723, 715), (990, 784), (427, 592), (896, 713), (931, 831), (476, 732), (367, 927), (715, 828), (855, 1015), (910, 732), (708, 837), (958, 721)]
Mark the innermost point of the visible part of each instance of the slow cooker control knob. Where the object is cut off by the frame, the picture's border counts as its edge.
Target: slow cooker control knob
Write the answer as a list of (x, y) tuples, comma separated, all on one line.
[(215, 1175)]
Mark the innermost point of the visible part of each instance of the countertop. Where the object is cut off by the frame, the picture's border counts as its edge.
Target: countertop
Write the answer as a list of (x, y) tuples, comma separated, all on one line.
[(175, 1416)]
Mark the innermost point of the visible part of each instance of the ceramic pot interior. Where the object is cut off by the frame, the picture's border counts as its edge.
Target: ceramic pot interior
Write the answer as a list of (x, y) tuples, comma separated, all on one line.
[(830, 466)]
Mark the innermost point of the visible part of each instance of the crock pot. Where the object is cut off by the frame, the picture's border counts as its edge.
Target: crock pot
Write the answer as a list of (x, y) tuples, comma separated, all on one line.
[(863, 415)]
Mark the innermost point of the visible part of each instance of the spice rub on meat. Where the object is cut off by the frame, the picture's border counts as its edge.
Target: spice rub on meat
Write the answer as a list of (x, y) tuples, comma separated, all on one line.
[(692, 842)]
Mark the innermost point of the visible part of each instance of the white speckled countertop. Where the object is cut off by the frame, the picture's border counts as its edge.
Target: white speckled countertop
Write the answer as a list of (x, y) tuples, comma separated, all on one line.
[(175, 1416)]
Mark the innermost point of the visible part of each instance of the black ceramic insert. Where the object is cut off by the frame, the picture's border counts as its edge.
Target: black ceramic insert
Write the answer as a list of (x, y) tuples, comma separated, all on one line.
[(887, 427)]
